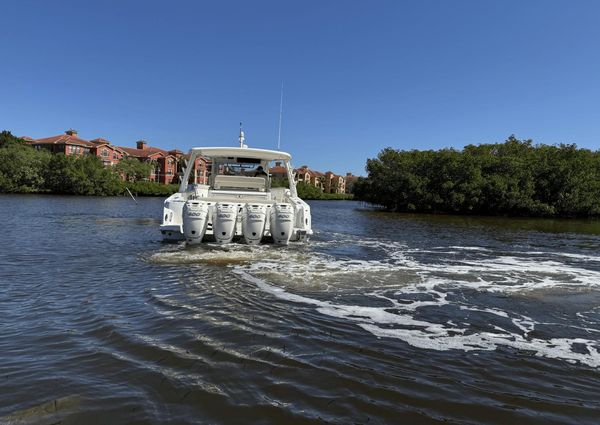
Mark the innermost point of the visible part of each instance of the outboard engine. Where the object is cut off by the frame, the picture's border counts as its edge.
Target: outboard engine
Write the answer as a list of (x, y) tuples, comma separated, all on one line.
[(224, 221), (195, 219), (254, 219), (282, 223)]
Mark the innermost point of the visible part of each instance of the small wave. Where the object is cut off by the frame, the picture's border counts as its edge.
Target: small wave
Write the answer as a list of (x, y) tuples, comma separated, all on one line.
[(420, 333)]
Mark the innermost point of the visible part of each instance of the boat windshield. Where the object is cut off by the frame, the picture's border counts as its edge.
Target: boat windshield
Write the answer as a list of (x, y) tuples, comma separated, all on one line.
[(241, 169), (246, 174)]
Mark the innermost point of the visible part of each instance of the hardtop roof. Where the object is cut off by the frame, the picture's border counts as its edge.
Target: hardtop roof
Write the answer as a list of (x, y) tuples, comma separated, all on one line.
[(224, 152)]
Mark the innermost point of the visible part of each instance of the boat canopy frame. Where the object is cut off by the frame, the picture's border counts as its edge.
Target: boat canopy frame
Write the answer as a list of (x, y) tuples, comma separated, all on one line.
[(226, 152)]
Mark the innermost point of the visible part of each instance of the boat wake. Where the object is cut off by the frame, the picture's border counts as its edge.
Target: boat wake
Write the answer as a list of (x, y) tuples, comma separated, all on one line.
[(442, 298)]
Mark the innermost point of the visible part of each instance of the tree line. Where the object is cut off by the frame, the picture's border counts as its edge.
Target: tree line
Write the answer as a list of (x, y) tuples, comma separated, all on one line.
[(24, 169), (309, 191), (516, 177)]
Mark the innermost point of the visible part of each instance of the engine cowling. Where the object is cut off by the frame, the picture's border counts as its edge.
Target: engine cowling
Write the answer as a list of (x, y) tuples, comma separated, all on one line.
[(282, 223), (195, 219), (253, 223), (224, 221)]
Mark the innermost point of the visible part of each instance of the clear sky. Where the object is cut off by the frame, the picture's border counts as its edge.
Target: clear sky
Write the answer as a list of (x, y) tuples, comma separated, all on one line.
[(358, 76)]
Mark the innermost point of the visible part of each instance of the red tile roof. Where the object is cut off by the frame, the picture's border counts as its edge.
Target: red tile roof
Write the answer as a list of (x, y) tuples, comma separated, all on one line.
[(64, 139), (157, 150), (100, 141), (70, 138), (201, 158), (313, 173), (277, 170), (143, 153)]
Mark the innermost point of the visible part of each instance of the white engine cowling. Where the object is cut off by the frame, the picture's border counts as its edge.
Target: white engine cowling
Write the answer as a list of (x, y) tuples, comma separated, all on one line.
[(282, 223), (195, 219), (254, 219), (224, 221)]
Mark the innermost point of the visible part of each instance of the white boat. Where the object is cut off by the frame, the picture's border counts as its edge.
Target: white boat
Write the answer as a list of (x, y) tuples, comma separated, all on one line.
[(238, 203)]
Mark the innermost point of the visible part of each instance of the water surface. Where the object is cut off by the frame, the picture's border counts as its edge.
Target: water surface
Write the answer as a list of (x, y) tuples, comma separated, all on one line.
[(381, 318)]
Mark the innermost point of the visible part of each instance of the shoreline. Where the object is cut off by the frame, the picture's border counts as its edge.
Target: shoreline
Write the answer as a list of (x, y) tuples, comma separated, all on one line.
[(335, 197), (365, 206)]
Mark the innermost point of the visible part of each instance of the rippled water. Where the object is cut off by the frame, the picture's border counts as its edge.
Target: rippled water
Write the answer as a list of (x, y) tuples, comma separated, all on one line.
[(381, 318)]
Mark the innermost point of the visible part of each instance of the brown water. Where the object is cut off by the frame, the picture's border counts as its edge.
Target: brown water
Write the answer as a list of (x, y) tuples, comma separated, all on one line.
[(381, 318)]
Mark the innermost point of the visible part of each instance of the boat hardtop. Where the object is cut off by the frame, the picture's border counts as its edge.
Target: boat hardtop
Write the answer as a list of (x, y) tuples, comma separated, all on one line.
[(265, 154)]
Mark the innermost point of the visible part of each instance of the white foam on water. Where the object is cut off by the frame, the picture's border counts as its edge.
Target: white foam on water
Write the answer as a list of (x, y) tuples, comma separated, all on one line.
[(438, 298), (319, 267), (556, 348), (416, 281), (468, 248), (566, 255), (513, 273), (518, 272), (401, 324), (219, 254)]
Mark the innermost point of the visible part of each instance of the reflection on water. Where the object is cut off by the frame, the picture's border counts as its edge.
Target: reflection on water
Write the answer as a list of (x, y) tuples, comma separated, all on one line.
[(380, 318)]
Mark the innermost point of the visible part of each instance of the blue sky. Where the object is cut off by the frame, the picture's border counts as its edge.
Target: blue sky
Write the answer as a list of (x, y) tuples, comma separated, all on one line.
[(358, 76)]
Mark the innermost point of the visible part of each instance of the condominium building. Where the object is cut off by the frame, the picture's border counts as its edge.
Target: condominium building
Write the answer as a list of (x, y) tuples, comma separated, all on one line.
[(167, 165)]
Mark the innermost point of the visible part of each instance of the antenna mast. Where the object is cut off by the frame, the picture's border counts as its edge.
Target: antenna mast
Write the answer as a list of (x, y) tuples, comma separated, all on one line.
[(242, 138), (280, 110)]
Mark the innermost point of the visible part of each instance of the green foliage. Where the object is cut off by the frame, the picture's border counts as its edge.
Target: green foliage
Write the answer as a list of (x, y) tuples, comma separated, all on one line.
[(24, 169), (7, 139), (279, 182), (308, 191), (337, 196), (514, 177), (84, 175), (21, 167), (134, 170)]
